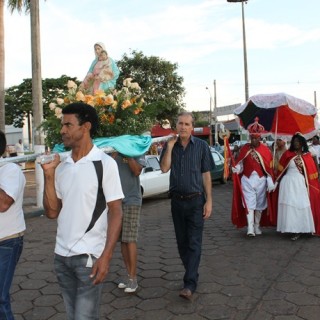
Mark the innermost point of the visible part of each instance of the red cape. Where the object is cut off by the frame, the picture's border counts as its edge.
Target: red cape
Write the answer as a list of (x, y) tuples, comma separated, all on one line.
[(239, 207)]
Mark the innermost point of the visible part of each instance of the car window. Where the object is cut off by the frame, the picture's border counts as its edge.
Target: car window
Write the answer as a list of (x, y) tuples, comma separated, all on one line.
[(215, 156), (154, 163)]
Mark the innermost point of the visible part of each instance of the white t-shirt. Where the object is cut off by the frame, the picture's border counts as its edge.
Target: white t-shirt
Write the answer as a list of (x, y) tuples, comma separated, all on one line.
[(12, 182), (19, 148), (76, 185)]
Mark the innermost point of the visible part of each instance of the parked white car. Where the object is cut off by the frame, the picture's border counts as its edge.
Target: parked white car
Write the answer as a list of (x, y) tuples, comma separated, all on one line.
[(152, 180)]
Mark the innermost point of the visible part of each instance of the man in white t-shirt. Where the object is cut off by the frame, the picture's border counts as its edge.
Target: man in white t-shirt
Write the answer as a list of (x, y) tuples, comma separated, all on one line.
[(12, 226), (20, 152), (84, 193)]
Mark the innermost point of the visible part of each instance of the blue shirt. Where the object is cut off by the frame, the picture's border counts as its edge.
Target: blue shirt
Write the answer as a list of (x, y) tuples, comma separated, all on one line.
[(187, 166)]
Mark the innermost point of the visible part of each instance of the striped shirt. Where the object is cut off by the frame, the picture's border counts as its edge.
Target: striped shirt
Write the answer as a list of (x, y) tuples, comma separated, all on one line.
[(187, 166)]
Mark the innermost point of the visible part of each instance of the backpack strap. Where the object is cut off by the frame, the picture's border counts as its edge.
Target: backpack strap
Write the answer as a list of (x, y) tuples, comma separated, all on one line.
[(101, 200)]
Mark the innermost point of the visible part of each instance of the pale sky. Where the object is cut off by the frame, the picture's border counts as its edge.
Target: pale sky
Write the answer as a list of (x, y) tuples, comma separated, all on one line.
[(204, 37)]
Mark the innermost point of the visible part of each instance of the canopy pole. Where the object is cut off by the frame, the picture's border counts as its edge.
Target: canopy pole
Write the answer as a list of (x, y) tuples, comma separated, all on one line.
[(275, 138)]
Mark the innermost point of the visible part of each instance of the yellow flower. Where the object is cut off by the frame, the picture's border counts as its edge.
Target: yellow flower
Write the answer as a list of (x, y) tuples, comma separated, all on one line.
[(100, 93), (89, 100), (80, 96), (99, 101), (66, 100), (109, 99), (137, 111), (126, 104)]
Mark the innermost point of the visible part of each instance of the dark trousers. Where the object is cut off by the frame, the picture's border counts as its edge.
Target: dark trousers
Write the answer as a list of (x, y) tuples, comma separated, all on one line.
[(188, 223), (10, 251)]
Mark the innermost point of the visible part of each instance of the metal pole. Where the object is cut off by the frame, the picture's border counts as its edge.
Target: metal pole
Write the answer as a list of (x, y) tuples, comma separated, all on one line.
[(210, 120), (246, 85), (215, 112)]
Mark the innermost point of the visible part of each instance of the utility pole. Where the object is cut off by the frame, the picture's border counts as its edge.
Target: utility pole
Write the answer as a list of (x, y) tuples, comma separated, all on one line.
[(210, 119), (215, 112)]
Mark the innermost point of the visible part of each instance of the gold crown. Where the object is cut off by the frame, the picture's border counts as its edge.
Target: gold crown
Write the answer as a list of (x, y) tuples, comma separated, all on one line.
[(256, 127)]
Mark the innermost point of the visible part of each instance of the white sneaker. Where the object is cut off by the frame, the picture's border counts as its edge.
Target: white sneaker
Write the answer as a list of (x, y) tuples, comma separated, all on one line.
[(123, 283), (132, 286)]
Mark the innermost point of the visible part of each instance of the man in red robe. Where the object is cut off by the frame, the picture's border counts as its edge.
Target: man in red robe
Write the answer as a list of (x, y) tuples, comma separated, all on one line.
[(254, 166)]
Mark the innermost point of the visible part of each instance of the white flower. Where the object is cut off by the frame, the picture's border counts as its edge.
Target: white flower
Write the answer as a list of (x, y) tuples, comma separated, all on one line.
[(71, 85), (60, 101), (126, 82), (134, 86), (52, 106), (58, 112)]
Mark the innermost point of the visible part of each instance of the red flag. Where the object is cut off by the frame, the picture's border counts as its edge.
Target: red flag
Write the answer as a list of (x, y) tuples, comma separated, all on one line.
[(239, 207), (227, 158)]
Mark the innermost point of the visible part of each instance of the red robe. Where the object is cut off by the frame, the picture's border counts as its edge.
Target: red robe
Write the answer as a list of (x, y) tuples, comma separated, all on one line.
[(239, 208), (310, 172)]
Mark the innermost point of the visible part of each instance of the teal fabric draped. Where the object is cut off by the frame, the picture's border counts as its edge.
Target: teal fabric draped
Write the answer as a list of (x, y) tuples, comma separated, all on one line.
[(128, 145)]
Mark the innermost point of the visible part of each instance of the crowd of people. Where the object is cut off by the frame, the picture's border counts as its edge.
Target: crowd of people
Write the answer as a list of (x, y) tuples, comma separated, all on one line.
[(96, 199), (278, 186)]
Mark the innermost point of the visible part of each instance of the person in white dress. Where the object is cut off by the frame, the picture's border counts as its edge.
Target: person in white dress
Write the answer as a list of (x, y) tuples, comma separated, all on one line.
[(296, 166)]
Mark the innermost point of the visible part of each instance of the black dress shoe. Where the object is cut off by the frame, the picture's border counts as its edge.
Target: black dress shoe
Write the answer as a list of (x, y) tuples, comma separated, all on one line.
[(186, 294)]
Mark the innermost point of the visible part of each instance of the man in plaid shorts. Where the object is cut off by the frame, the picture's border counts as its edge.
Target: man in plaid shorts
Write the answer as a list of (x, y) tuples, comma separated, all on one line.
[(129, 170)]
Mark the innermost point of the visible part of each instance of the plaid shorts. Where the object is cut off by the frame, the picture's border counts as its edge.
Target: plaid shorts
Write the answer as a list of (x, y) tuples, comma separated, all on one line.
[(130, 223)]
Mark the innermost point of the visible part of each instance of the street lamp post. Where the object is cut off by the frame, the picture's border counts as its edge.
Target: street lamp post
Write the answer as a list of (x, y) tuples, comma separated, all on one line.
[(210, 119), (215, 113), (244, 49)]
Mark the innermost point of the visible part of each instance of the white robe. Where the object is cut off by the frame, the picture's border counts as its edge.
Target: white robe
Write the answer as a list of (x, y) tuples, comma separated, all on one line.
[(294, 210)]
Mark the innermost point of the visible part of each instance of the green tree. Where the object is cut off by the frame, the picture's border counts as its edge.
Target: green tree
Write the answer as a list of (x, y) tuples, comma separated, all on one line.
[(18, 99), (160, 83), (18, 102)]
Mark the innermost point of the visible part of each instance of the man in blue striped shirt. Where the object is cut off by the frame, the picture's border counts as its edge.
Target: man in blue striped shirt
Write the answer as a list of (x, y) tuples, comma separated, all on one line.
[(190, 161)]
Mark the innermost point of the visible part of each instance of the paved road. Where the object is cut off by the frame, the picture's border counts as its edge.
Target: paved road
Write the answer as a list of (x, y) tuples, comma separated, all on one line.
[(266, 277)]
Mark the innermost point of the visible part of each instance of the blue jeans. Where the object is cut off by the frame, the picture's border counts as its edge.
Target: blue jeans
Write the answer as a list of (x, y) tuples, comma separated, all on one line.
[(188, 223), (81, 297), (10, 251)]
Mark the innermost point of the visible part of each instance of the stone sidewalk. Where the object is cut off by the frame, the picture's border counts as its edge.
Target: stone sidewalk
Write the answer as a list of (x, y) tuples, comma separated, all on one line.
[(261, 278)]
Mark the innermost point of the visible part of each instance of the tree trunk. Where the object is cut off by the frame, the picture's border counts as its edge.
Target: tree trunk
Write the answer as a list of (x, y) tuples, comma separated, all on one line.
[(2, 68), (36, 73)]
